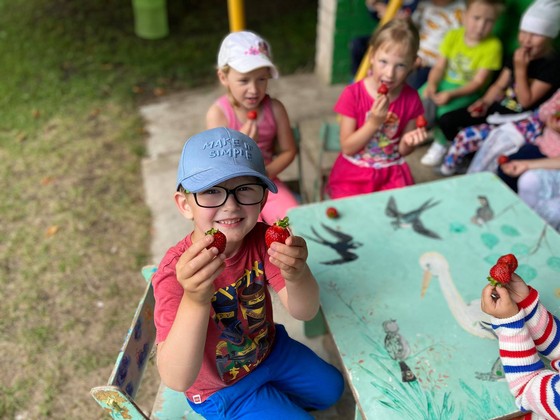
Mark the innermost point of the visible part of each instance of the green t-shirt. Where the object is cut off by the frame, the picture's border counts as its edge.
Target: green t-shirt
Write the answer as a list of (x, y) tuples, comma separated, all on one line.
[(464, 61)]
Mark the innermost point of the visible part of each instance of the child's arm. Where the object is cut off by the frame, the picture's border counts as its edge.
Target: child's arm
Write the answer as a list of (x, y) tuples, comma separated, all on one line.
[(215, 117), (301, 294), (528, 92), (551, 108), (411, 138), (352, 140), (179, 357), (478, 81), (494, 93), (286, 148), (434, 77), (517, 167)]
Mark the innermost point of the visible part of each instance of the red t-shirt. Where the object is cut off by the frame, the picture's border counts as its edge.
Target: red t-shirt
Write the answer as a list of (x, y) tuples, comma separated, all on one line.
[(241, 327)]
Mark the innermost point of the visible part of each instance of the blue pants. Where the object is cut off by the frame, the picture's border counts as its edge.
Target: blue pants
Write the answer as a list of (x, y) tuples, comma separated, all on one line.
[(291, 380)]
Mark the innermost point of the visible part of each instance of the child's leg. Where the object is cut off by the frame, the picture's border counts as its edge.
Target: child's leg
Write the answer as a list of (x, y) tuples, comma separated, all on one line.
[(466, 142), (451, 122), (347, 179), (289, 381), (277, 205), (540, 189)]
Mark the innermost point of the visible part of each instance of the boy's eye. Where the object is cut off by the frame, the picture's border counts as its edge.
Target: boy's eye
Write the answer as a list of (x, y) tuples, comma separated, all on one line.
[(211, 191)]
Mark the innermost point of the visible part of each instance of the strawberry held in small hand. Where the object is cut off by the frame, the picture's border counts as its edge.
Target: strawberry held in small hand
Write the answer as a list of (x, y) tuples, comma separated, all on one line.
[(252, 115), (510, 260), (421, 121), (278, 232), (499, 274), (219, 240), (502, 159), (383, 89)]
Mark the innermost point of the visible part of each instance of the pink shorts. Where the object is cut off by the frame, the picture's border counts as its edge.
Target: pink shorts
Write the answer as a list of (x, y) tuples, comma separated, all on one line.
[(347, 179)]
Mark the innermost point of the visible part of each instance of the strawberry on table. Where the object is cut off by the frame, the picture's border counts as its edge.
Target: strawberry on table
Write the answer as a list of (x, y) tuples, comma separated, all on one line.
[(383, 89), (332, 213), (278, 232), (219, 240), (421, 121), (252, 115), (500, 274)]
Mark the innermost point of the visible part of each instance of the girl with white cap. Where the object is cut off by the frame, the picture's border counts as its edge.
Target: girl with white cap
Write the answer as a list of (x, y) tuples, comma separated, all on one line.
[(244, 68)]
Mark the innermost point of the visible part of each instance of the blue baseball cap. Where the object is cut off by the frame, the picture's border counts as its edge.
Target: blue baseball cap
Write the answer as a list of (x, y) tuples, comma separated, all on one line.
[(216, 155)]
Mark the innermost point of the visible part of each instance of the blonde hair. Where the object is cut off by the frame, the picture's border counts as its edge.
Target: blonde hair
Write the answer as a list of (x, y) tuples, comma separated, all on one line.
[(397, 31)]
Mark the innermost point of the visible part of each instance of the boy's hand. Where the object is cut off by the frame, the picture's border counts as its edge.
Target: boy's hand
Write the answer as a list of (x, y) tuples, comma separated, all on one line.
[(290, 257), (441, 98), (502, 306), (478, 108), (197, 269)]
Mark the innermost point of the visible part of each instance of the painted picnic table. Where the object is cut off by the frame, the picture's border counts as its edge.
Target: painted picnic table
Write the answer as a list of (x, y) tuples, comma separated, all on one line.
[(411, 347)]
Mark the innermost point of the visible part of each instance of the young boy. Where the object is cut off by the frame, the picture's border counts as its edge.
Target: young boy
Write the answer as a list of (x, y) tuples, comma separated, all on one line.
[(469, 56), (216, 337)]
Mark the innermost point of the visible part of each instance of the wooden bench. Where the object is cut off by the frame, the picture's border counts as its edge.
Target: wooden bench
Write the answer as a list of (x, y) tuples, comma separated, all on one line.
[(118, 397)]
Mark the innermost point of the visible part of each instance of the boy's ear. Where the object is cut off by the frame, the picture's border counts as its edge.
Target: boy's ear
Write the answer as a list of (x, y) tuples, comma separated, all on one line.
[(183, 205), (263, 202)]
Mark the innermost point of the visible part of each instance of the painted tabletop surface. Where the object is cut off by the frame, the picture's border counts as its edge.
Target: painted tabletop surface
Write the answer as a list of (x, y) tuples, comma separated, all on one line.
[(401, 273)]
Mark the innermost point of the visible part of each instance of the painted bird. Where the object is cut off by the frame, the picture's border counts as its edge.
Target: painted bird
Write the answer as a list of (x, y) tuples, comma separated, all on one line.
[(411, 218), (484, 213), (398, 348), (342, 246)]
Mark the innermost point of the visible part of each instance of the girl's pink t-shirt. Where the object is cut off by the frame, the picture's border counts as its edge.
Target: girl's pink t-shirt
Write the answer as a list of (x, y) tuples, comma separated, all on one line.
[(382, 150)]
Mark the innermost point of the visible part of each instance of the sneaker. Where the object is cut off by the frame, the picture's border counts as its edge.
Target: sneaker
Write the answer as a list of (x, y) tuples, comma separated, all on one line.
[(434, 155), (446, 170)]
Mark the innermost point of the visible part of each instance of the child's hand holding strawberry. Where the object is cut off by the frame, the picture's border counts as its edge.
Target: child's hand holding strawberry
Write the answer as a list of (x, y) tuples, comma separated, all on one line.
[(501, 307), (197, 269)]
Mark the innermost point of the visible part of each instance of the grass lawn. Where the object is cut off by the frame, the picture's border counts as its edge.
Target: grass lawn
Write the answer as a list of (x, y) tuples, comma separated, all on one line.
[(75, 229)]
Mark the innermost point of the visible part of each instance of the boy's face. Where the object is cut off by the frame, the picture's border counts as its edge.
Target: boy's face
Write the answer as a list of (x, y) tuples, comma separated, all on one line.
[(479, 20), (534, 45), (248, 89), (233, 219)]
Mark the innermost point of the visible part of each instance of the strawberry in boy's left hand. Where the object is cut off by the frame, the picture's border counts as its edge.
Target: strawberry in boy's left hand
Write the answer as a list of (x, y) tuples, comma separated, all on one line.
[(219, 240), (278, 232)]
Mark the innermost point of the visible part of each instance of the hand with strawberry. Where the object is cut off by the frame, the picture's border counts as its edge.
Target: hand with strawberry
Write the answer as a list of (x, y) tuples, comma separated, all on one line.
[(502, 159), (198, 267), (289, 253), (477, 108)]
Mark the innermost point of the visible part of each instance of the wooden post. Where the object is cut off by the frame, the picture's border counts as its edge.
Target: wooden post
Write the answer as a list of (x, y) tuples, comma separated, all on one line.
[(236, 13)]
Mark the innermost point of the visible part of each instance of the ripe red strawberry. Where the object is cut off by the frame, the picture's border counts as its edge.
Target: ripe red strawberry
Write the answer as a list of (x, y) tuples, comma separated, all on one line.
[(278, 232), (383, 89), (332, 213), (478, 109), (499, 274), (502, 159), (219, 240), (421, 121), (252, 115), (510, 260)]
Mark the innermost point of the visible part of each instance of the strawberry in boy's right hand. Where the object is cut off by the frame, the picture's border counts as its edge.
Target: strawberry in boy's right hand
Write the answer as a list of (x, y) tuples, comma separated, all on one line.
[(278, 232), (219, 240), (421, 121), (383, 89), (252, 115)]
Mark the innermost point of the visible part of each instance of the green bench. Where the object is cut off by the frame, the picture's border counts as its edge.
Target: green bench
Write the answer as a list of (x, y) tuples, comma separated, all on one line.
[(117, 397)]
